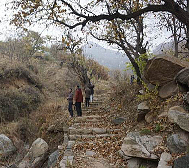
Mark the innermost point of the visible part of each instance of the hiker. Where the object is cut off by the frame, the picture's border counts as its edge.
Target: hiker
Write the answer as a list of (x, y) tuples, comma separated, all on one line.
[(70, 102), (87, 96), (78, 100), (91, 87)]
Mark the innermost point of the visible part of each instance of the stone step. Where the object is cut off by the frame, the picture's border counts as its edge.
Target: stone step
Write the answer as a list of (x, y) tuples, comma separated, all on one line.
[(88, 113), (87, 124), (90, 109), (91, 106), (90, 118), (77, 137), (92, 131)]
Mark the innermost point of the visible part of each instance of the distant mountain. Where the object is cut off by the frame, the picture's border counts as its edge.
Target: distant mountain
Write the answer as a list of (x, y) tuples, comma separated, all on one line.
[(168, 49), (106, 57), (164, 48)]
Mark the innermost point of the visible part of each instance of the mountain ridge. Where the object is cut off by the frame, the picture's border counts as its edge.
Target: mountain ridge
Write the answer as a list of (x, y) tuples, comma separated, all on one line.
[(106, 57)]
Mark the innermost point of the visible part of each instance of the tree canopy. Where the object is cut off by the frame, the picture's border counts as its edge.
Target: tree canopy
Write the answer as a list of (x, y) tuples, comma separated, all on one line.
[(58, 10), (78, 13)]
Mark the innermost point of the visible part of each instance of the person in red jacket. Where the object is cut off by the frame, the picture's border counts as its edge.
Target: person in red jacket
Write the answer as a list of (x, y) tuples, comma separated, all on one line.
[(78, 100)]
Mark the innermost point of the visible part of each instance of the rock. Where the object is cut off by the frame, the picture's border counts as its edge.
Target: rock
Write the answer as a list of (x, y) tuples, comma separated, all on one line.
[(99, 130), (182, 77), (6, 146), (186, 97), (151, 87), (182, 162), (173, 113), (141, 92), (143, 106), (38, 148), (143, 109), (162, 70), (36, 155), (178, 115), (135, 145), (62, 164), (66, 139), (168, 90), (118, 121), (177, 144), (79, 131), (67, 161), (163, 114), (123, 156), (70, 144), (90, 153), (53, 158), (134, 163), (149, 117), (164, 159)]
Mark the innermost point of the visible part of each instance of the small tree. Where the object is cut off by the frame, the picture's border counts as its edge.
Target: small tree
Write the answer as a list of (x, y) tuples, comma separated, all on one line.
[(22, 47)]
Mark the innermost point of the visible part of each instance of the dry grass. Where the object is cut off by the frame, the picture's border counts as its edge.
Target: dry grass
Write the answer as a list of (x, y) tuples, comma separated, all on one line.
[(124, 99), (23, 80)]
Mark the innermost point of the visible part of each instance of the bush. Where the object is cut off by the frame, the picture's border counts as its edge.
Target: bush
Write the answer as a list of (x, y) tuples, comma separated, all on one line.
[(18, 102), (8, 75)]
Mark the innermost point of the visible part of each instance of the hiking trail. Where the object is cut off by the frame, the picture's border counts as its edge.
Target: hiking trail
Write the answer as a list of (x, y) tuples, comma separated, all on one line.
[(92, 140)]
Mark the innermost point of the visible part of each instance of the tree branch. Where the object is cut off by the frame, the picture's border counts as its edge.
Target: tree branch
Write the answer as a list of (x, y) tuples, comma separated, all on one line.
[(169, 6)]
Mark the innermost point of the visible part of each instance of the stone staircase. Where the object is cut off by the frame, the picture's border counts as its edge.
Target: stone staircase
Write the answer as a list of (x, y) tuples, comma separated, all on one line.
[(83, 131)]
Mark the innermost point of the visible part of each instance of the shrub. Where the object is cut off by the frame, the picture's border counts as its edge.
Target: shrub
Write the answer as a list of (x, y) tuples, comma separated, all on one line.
[(18, 102), (19, 73)]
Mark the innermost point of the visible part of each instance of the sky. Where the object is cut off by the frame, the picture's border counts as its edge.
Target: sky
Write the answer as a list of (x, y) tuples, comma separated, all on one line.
[(7, 30)]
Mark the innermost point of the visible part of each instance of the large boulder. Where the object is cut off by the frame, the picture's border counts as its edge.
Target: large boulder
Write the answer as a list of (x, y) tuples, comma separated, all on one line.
[(177, 143), (162, 70), (134, 163), (182, 162), (6, 146), (178, 116), (52, 160), (182, 77), (149, 117), (168, 90), (186, 98), (164, 159), (135, 145), (36, 155)]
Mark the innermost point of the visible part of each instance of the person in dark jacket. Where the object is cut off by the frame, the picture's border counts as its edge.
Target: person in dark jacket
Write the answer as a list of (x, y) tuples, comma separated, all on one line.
[(91, 87), (70, 102), (78, 100), (87, 96)]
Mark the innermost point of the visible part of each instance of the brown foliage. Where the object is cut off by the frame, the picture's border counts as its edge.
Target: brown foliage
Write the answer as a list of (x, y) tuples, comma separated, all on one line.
[(124, 97)]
